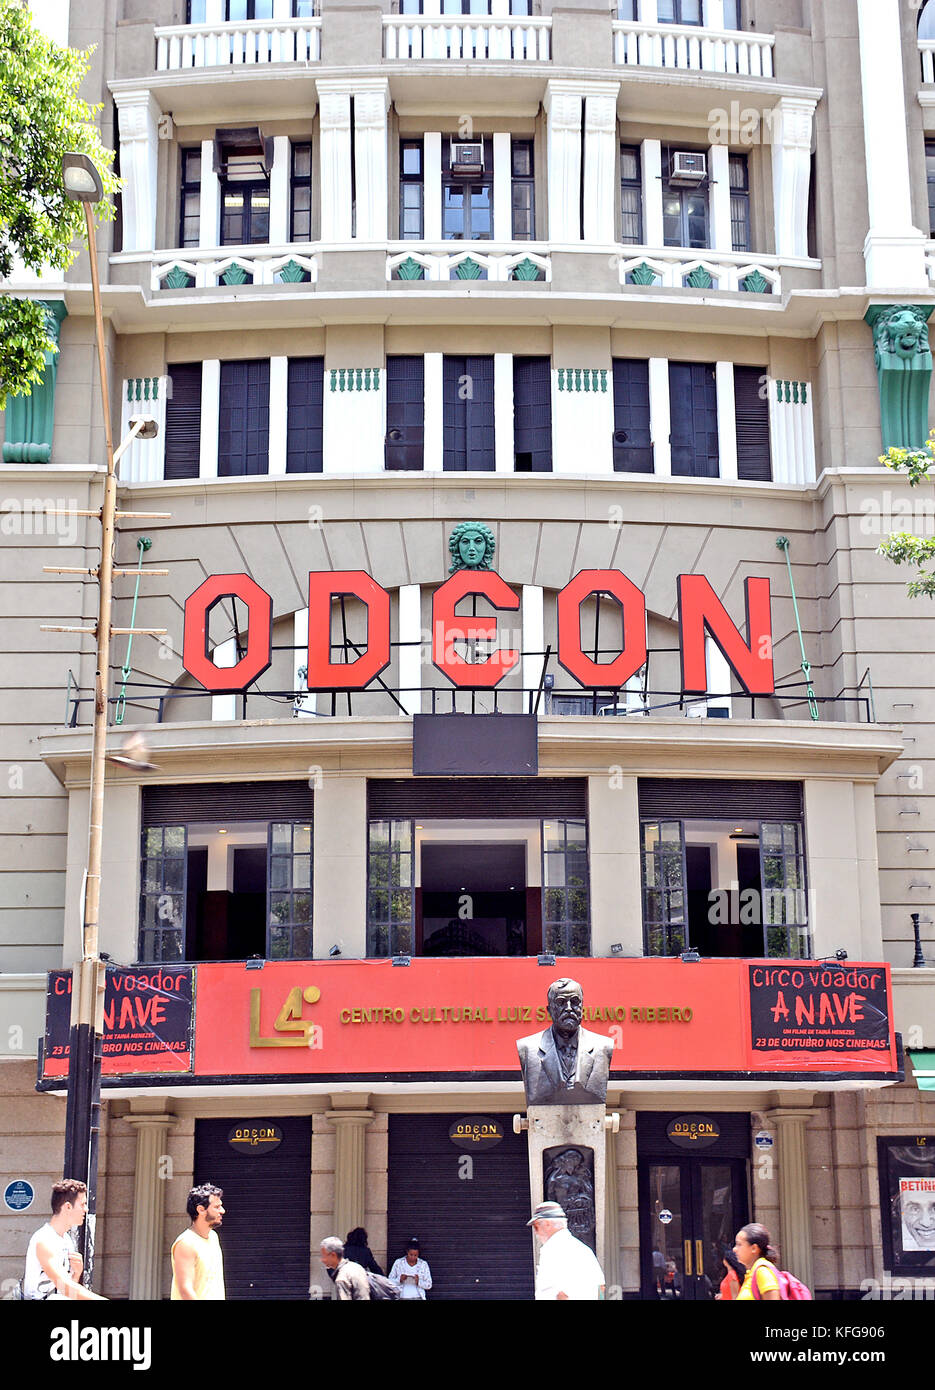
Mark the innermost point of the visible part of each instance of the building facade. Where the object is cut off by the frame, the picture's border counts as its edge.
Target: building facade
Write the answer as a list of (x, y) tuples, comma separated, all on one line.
[(514, 362)]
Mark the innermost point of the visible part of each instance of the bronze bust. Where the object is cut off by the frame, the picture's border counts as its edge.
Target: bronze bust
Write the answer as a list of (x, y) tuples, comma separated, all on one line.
[(565, 1065)]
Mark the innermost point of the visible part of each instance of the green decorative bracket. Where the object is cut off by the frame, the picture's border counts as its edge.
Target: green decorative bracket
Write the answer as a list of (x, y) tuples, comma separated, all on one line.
[(527, 270), (236, 275), (782, 543), (142, 389), (355, 378), (699, 279), (792, 392), (755, 283), (642, 274), (588, 379), (410, 269), (471, 546), (179, 279), (31, 419), (293, 274), (469, 269), (904, 369)]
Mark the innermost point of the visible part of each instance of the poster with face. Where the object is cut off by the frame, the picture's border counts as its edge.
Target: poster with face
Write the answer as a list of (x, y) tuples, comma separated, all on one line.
[(907, 1196), (917, 1212)]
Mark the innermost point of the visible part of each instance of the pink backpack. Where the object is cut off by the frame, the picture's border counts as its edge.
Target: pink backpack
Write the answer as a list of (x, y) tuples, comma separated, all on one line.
[(790, 1288)]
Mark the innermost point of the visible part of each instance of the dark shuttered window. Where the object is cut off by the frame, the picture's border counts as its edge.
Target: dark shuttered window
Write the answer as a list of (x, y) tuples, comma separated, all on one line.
[(243, 419), (751, 407), (183, 421), (532, 414), (633, 449), (304, 417), (693, 420), (467, 404), (405, 412)]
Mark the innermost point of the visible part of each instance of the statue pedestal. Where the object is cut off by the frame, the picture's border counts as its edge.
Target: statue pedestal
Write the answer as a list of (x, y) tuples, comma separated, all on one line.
[(567, 1165)]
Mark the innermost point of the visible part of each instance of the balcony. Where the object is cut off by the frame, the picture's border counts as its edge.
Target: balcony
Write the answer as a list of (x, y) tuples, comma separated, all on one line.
[(686, 48), (247, 44), (675, 268), (466, 38)]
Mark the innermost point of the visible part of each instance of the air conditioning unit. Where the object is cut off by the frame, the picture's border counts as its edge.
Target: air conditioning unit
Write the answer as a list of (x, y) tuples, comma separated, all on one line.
[(467, 157), (688, 168)]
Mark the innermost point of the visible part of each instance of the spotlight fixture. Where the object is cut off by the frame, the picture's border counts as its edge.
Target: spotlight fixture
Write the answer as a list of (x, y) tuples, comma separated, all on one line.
[(335, 950), (401, 960), (690, 956), (546, 958), (740, 834), (616, 948), (254, 963)]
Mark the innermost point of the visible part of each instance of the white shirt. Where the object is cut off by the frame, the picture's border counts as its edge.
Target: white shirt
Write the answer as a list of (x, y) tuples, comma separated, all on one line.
[(422, 1272), (36, 1283), (567, 1266)]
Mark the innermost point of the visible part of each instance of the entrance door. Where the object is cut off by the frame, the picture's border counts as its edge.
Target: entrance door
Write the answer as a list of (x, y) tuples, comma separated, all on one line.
[(690, 1211), (473, 899)]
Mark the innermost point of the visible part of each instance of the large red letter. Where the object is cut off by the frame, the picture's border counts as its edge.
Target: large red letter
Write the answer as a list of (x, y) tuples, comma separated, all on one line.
[(448, 628), (232, 680), (325, 674), (700, 608), (608, 675)]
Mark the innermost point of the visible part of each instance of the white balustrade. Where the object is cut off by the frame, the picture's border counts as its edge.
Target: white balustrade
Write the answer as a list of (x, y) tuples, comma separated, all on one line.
[(406, 259), (247, 44), (684, 269), (517, 39), (267, 265), (692, 49), (927, 54)]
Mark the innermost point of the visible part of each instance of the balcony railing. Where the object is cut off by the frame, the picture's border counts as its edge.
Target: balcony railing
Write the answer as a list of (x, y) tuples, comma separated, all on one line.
[(520, 39), (690, 49), (231, 265), (247, 44), (927, 54), (674, 268), (415, 261)]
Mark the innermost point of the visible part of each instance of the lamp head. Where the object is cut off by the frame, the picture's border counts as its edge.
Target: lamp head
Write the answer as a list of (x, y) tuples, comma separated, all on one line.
[(83, 183)]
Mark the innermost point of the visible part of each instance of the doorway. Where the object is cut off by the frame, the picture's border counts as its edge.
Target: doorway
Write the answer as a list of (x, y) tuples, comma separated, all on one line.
[(691, 1204), (473, 899)]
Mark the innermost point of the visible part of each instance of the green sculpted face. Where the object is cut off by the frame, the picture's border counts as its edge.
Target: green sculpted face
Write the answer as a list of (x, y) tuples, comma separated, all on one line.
[(471, 546), (905, 333)]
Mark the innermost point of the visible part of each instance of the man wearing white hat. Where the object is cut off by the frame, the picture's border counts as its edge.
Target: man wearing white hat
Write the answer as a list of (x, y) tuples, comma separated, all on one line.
[(568, 1269)]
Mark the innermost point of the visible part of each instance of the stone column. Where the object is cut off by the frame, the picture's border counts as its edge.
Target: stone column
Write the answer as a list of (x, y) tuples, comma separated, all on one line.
[(334, 105), (563, 104), (349, 1121), (371, 103), (791, 137), (600, 162), (894, 251), (794, 1237), (651, 166), (611, 1265), (721, 231), (137, 118), (149, 1202)]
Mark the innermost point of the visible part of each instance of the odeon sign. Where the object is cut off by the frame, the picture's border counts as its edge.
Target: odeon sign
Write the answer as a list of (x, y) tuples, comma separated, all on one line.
[(700, 612)]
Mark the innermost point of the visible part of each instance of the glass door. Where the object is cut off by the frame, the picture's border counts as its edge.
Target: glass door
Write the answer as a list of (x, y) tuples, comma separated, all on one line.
[(690, 1210)]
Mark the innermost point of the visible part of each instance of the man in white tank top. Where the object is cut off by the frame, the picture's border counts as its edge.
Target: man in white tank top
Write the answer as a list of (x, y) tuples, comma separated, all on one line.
[(197, 1263), (52, 1263)]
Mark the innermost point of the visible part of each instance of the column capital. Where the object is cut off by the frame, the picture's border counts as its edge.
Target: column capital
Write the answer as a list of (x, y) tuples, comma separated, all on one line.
[(349, 1118), (562, 101), (163, 1120), (137, 112), (600, 108), (791, 122), (334, 105)]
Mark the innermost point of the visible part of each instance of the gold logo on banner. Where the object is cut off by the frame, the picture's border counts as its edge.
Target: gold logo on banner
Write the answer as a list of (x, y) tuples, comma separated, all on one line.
[(289, 1020)]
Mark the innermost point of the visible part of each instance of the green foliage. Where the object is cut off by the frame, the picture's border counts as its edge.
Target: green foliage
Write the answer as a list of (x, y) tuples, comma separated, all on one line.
[(41, 118), (902, 548)]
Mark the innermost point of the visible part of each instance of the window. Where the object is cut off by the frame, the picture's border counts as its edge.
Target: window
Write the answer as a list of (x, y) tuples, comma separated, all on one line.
[(628, 10), (731, 14), (304, 410), (930, 177), (411, 191), (693, 420), (631, 196), (532, 414), (405, 413), (466, 7), (524, 191), (300, 216), (226, 872), (739, 177), (927, 22), (751, 409), (723, 868), (243, 160), (238, 10), (390, 896), (190, 197), (565, 888), (243, 419), (680, 11), (467, 200), (183, 421), (684, 208), (467, 414), (633, 449)]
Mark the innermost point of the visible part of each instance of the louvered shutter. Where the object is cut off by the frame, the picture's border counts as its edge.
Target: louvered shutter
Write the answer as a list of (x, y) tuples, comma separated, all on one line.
[(471, 798), (633, 450), (405, 413), (304, 415), (700, 798), (532, 414), (751, 408), (468, 426), (227, 801), (243, 419), (183, 421), (693, 415)]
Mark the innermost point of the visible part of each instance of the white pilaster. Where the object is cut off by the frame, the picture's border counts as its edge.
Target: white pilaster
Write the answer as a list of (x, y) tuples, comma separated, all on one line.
[(209, 204), (503, 412), (214, 11), (894, 251), (502, 186), (371, 103), (712, 14), (718, 164), (533, 611), (582, 425), (144, 461), (282, 9), (224, 655), (726, 419), (659, 416), (210, 414), (353, 425), (410, 649), (137, 119), (791, 432), (434, 432), (648, 12), (432, 184), (651, 166), (278, 414), (279, 191), (717, 681), (601, 190), (334, 109), (563, 101), (791, 137), (306, 705)]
